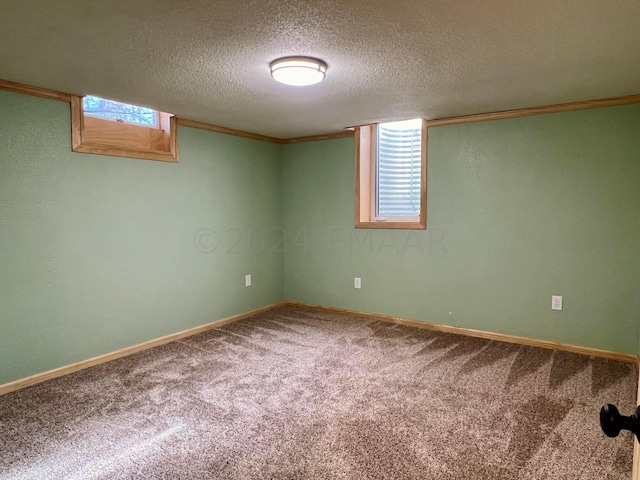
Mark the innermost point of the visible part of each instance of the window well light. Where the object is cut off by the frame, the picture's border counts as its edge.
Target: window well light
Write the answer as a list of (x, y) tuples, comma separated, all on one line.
[(298, 71)]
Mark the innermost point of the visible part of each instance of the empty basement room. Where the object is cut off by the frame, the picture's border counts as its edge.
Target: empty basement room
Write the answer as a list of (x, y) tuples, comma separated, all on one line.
[(319, 239)]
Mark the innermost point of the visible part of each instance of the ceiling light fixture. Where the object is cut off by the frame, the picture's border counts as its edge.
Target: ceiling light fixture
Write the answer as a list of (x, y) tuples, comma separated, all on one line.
[(298, 71)]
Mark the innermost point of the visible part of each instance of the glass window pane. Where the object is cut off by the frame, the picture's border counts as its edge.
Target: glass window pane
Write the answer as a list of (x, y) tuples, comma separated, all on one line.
[(398, 169), (101, 107)]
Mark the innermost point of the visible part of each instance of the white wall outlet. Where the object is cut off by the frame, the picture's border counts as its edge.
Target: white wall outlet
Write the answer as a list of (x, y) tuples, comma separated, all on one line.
[(556, 302), (247, 280), (357, 282)]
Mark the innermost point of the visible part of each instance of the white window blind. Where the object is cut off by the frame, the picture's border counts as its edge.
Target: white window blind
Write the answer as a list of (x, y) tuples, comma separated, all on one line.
[(398, 169)]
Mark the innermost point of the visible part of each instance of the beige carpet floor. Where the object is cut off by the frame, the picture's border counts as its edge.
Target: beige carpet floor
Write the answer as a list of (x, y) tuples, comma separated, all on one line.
[(302, 394)]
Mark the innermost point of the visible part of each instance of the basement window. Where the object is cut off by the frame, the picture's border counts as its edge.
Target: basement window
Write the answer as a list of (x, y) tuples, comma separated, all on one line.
[(108, 127), (391, 175), (121, 112)]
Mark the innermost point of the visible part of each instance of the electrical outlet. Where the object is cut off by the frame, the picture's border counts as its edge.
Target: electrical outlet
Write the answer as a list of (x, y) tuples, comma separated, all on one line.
[(556, 302), (247, 280), (357, 282)]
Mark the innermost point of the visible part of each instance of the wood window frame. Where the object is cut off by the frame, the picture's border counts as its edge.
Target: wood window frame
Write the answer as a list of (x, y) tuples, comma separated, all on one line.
[(91, 134), (366, 139)]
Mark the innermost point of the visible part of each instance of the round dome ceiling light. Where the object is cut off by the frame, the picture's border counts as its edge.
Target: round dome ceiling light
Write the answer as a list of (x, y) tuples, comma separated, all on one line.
[(298, 71)]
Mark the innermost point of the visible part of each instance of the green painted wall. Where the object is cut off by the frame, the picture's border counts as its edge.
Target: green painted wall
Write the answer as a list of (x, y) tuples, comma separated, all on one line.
[(518, 210), (99, 253)]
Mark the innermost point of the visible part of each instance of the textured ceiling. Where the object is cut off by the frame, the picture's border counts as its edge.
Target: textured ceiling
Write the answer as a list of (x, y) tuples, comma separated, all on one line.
[(208, 60)]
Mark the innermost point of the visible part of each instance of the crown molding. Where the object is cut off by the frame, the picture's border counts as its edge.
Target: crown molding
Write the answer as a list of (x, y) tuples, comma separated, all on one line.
[(524, 112), (36, 91), (479, 117), (229, 131)]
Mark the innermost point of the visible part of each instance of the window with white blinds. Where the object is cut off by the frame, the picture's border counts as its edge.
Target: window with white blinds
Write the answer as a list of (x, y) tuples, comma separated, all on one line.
[(391, 175), (398, 167)]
